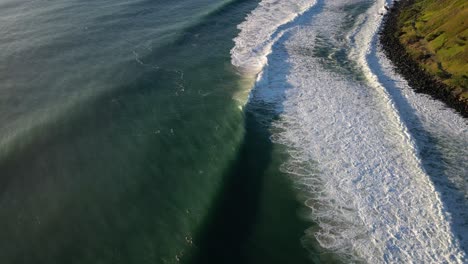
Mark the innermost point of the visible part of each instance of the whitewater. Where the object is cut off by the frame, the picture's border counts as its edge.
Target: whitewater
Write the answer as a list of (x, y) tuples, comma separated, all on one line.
[(381, 169)]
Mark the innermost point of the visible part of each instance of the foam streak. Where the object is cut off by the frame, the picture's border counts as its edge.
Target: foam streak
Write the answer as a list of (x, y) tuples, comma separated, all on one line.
[(353, 155)]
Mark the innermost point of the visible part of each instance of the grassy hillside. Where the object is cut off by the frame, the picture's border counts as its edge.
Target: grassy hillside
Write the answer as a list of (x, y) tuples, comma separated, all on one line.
[(435, 34)]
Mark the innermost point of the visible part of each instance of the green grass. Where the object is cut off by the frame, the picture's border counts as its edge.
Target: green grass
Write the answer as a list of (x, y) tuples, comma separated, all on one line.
[(435, 33)]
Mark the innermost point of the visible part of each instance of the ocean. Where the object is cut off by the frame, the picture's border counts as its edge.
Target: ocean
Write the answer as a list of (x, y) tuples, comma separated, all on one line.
[(220, 131)]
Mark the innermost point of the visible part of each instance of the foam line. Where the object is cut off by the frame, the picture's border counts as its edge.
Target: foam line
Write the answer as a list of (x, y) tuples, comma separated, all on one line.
[(353, 157), (261, 30)]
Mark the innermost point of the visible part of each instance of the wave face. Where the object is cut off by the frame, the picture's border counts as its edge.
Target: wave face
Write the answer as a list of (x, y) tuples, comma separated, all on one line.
[(119, 108), (382, 169)]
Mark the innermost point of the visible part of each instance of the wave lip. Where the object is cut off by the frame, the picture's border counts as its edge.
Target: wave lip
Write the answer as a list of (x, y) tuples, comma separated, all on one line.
[(261, 30)]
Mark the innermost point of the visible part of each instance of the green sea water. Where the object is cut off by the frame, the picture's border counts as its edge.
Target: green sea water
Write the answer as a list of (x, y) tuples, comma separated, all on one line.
[(125, 138)]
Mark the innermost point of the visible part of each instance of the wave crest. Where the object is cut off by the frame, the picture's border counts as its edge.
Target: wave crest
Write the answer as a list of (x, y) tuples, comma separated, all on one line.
[(260, 31)]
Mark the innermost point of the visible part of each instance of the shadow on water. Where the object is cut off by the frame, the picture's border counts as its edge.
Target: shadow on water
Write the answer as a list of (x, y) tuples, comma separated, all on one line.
[(234, 214), (432, 159), (116, 180), (255, 217)]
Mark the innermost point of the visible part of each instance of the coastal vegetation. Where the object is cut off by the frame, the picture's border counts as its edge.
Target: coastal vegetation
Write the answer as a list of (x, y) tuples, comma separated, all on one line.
[(426, 41), (435, 34)]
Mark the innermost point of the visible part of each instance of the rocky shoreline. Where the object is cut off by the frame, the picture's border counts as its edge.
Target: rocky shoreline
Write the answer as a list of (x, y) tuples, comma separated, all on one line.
[(418, 79)]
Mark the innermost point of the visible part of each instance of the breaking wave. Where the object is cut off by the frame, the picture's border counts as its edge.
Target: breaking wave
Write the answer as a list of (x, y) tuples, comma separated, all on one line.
[(355, 149), (261, 29)]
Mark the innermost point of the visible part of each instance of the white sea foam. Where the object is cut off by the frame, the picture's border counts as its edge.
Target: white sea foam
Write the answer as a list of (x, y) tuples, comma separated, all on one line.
[(358, 149), (261, 29), (441, 138)]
